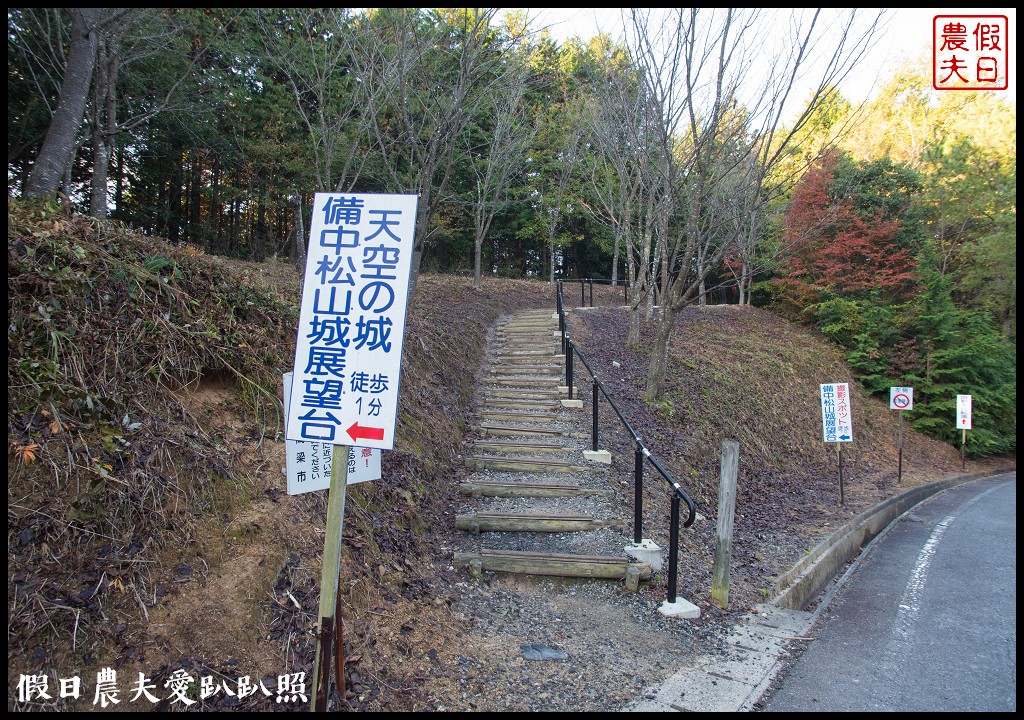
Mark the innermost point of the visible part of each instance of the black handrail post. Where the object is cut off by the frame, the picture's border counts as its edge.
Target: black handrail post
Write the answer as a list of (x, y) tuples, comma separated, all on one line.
[(591, 281), (638, 493), (583, 296), (568, 365), (673, 548), (595, 391)]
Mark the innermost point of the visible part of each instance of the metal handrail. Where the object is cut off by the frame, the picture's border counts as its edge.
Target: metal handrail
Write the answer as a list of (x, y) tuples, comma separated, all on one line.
[(569, 349), (589, 282)]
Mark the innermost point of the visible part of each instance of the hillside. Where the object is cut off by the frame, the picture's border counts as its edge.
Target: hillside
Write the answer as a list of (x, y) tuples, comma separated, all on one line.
[(149, 530)]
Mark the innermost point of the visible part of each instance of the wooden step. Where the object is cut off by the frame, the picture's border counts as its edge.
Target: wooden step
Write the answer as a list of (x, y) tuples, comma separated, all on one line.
[(504, 446), (532, 360), (524, 489), (539, 331), (521, 403), (524, 352), (488, 462), (523, 417), (540, 382), (529, 522), (527, 393), (584, 566), (497, 429), (505, 370)]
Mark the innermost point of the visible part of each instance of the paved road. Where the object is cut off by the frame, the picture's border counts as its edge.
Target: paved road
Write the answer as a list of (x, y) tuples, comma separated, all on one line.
[(926, 620)]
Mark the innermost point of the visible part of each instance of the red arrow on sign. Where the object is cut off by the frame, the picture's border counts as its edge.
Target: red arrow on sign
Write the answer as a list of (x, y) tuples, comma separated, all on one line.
[(361, 431)]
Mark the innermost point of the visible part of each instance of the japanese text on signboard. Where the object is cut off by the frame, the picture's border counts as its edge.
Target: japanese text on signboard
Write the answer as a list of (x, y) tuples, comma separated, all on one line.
[(308, 466), (352, 321), (836, 417)]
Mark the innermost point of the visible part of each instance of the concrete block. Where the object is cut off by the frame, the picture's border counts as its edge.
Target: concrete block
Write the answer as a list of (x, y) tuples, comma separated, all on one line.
[(633, 579), (679, 609), (645, 551), (599, 456), (572, 403)]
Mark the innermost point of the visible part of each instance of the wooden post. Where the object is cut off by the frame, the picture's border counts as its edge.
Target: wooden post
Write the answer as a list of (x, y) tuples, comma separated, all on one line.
[(839, 450), (329, 580), (726, 513)]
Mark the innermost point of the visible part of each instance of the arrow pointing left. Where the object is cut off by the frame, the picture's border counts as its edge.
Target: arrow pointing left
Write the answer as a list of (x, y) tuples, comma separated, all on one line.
[(357, 431)]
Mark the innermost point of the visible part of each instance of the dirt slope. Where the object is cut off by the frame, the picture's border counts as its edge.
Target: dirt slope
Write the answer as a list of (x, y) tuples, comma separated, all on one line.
[(149, 531)]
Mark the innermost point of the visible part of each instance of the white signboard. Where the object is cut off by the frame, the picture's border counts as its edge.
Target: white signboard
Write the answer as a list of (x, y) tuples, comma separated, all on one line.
[(308, 466), (836, 417), (348, 353), (901, 398), (963, 412)]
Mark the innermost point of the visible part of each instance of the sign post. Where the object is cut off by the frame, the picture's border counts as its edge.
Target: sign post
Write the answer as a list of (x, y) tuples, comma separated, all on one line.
[(963, 421), (348, 356), (901, 398), (837, 421), (329, 581)]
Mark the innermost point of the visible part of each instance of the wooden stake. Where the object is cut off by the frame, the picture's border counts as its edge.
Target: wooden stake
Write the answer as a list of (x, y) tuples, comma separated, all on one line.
[(329, 616), (726, 514), (839, 449)]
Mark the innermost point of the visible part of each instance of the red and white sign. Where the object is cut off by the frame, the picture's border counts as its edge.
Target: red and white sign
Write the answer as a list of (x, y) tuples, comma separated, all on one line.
[(963, 412), (901, 398), (970, 52)]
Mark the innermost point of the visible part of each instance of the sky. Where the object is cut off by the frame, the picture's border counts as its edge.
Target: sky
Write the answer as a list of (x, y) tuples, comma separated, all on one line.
[(907, 33)]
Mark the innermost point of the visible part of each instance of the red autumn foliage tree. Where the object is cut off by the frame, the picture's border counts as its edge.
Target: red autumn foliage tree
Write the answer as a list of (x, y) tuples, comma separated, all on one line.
[(843, 240)]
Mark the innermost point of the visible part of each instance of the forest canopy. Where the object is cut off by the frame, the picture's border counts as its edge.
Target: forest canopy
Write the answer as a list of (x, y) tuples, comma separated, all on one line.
[(890, 226)]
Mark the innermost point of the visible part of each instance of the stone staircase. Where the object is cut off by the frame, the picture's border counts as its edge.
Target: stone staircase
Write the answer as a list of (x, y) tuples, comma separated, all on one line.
[(535, 503)]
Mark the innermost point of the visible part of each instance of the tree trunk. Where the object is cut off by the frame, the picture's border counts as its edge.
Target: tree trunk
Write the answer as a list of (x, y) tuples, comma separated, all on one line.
[(615, 257), (300, 235), (478, 249), (59, 145), (658, 368), (100, 175), (104, 120), (119, 183)]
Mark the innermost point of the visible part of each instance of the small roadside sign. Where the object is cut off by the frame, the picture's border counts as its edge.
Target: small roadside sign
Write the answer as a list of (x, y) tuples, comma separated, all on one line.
[(836, 417), (963, 412), (901, 398), (348, 353), (308, 466)]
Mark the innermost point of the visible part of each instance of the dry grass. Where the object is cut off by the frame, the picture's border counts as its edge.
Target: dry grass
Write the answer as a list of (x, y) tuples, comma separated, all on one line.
[(144, 486)]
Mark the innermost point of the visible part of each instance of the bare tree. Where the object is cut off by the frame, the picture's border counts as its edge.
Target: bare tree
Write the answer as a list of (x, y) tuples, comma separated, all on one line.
[(127, 36), (315, 50), (620, 174), (435, 74), (58, 148), (721, 135), (511, 131)]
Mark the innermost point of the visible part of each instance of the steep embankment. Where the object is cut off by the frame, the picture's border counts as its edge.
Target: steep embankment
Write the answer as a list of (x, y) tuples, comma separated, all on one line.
[(147, 524), (744, 374), (148, 528)]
